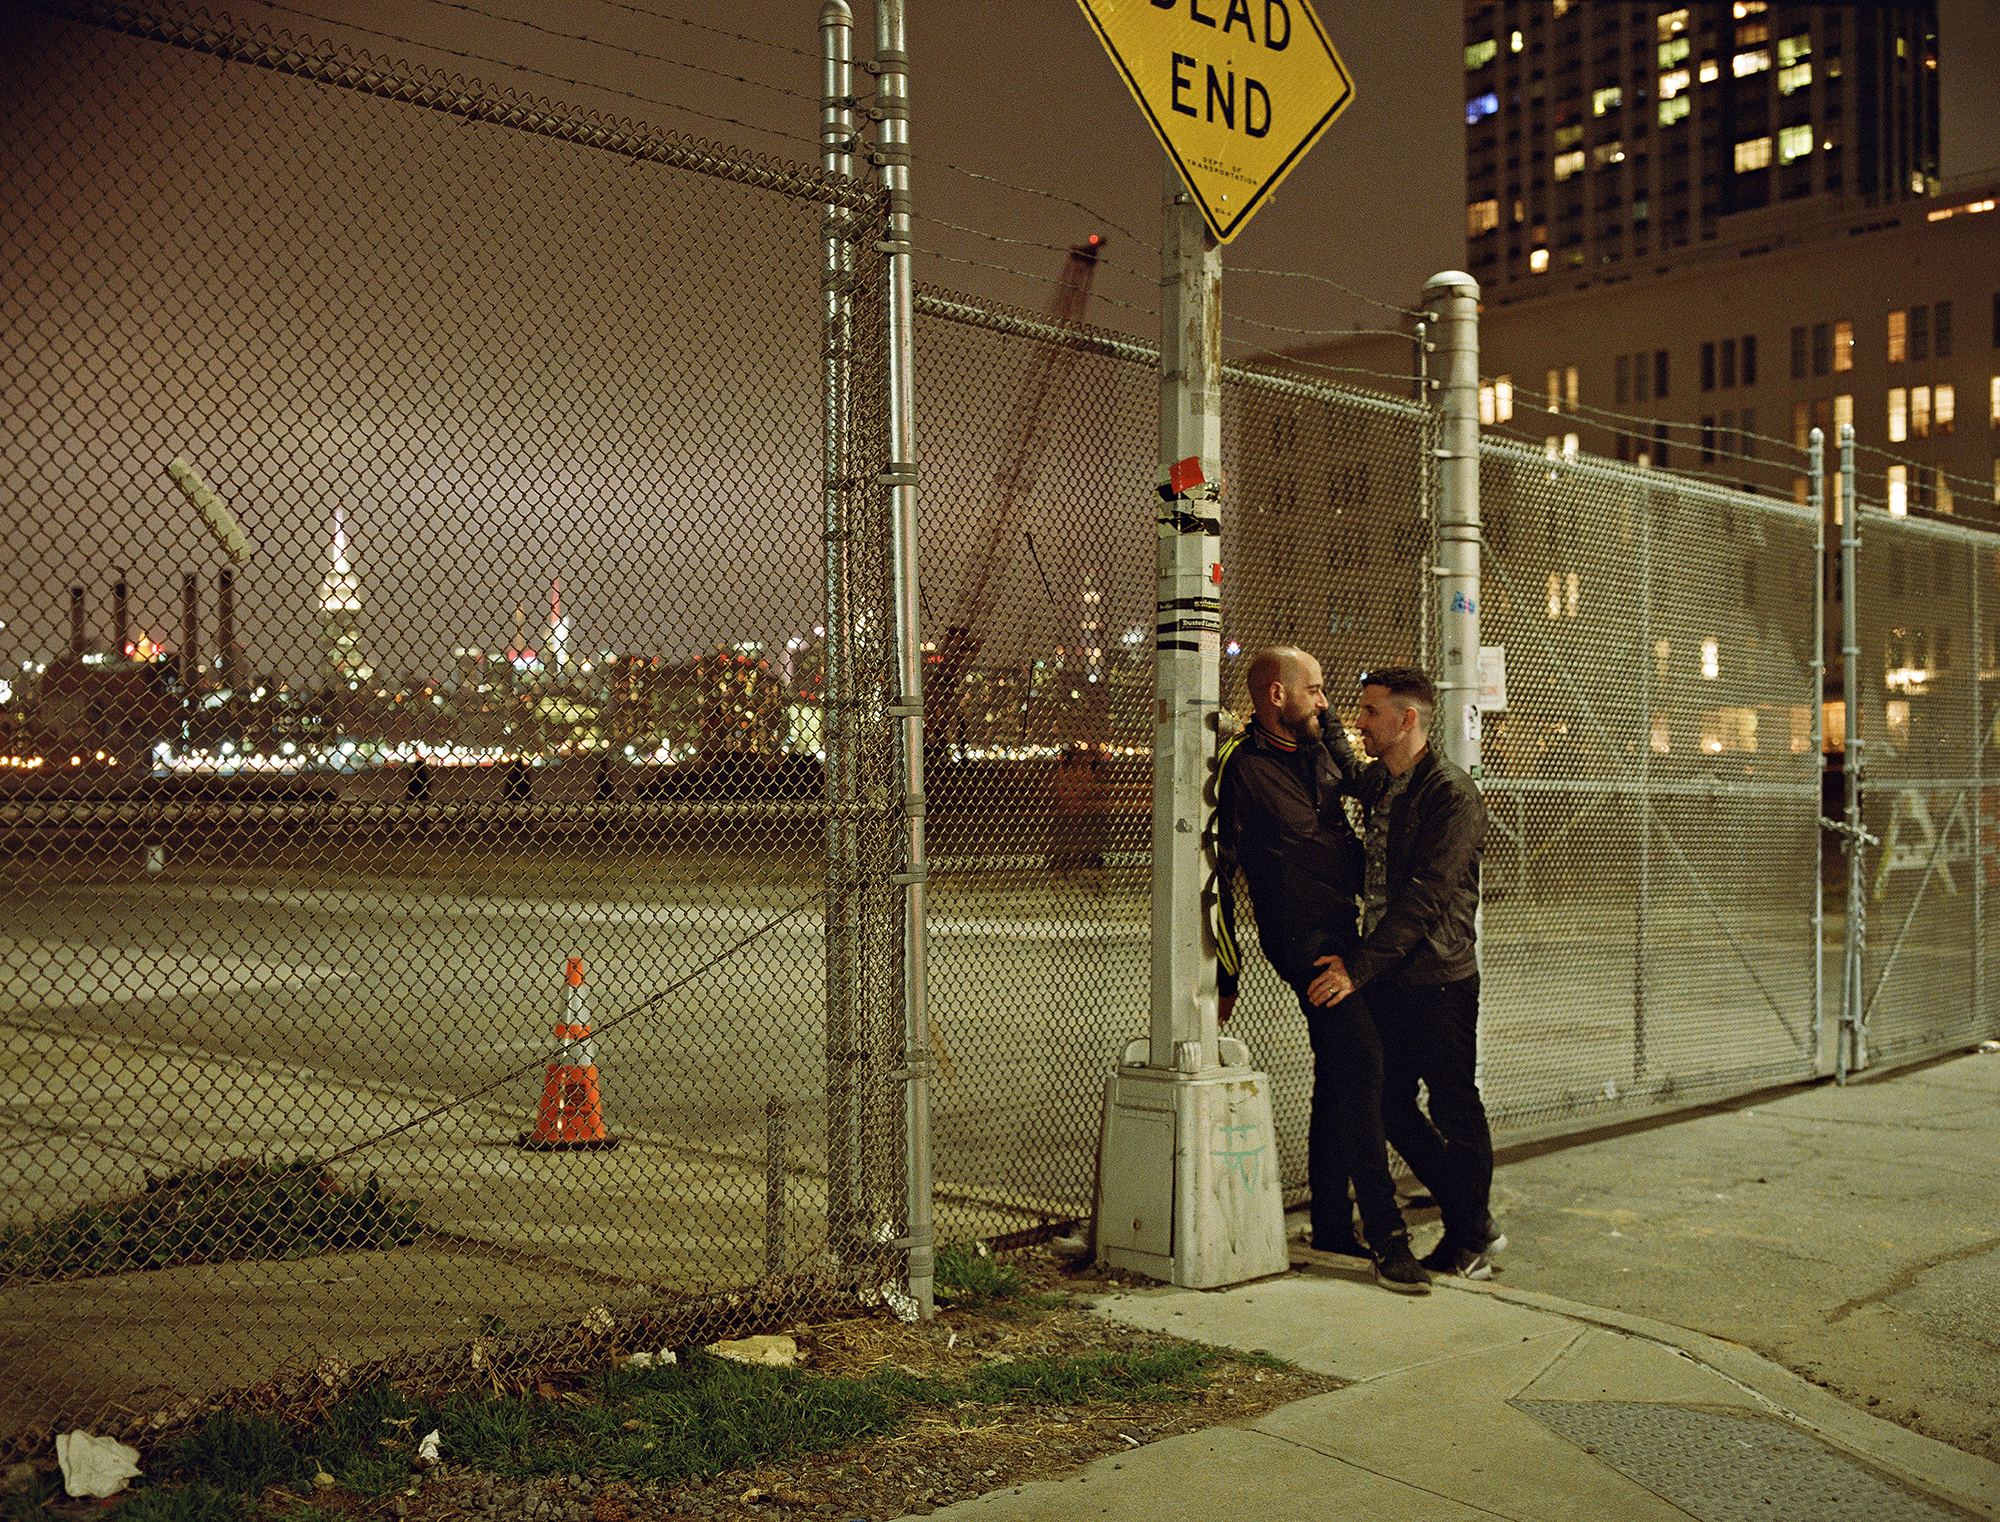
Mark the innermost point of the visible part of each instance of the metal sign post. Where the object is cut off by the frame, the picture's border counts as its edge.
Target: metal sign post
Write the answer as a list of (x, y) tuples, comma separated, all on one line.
[(1188, 1158)]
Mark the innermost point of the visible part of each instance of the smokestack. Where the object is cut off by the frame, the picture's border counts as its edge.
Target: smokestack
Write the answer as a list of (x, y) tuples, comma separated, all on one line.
[(121, 619), (190, 630), (76, 623), (225, 626)]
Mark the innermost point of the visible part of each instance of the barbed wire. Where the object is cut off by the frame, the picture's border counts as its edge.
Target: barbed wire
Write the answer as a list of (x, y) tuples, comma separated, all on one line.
[(1389, 306), (513, 66), (919, 157), (714, 31), (630, 52), (1039, 279)]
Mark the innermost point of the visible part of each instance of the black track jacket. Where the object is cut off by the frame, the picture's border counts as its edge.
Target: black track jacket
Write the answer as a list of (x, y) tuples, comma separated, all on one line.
[(1279, 819)]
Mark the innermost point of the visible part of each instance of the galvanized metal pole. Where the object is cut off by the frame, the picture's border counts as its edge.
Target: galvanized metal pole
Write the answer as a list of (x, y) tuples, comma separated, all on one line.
[(1451, 311), (839, 730), (1848, 1051), (1642, 805), (1187, 663), (892, 154), (1816, 499)]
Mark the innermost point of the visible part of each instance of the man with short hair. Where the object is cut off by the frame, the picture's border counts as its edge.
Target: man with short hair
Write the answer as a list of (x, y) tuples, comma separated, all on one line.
[(1418, 963), (1280, 819)]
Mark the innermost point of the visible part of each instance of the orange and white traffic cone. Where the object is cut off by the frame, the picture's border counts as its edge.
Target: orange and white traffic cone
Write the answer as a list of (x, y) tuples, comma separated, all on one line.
[(571, 1118)]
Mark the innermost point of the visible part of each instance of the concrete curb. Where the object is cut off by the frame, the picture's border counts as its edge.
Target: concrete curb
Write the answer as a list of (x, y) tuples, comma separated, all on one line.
[(1923, 1463)]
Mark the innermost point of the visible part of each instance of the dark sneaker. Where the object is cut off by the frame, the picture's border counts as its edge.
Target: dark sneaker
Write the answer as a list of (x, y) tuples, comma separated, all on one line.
[(1459, 1262), (1395, 1269)]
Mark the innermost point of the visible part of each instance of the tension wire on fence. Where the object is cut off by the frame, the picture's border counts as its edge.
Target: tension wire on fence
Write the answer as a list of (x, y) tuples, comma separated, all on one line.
[(1387, 306), (714, 31)]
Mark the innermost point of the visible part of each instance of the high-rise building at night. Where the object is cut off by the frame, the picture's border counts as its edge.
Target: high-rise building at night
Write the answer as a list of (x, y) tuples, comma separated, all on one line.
[(340, 614), (1601, 136)]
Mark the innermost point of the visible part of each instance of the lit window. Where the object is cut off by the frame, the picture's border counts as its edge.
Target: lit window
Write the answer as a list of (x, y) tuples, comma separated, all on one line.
[(1711, 71), (1801, 424), (1555, 590), (1486, 403), (1567, 164), (1641, 210), (1480, 54), (1843, 346), (1672, 23), (1945, 504), (1570, 389), (1480, 107), (1754, 62), (1794, 78), (1673, 52), (1792, 49), (1711, 660), (1944, 408), (1843, 413), (1899, 337), (1753, 153), (1567, 137), (1753, 33), (1920, 412), (1538, 260), (1555, 391), (1607, 99), (1794, 143), (1993, 401), (1570, 446), (1899, 414), (1515, 42), (1675, 83), (1503, 397), (1607, 153), (1751, 8), (1899, 491), (1674, 110), (1481, 217)]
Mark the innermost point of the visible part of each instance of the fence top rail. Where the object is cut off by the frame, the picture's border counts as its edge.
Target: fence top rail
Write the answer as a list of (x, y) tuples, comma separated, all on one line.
[(1973, 535), (997, 317), (1615, 473), (469, 100)]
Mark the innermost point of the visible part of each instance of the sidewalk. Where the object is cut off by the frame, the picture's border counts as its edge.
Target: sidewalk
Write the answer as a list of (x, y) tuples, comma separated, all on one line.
[(1476, 1401), (1481, 1402)]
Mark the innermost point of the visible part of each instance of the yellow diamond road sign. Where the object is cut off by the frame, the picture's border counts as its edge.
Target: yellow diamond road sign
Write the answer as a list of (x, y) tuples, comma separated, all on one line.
[(1237, 90)]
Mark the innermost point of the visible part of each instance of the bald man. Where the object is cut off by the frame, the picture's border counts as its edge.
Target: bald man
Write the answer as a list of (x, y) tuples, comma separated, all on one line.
[(1280, 821)]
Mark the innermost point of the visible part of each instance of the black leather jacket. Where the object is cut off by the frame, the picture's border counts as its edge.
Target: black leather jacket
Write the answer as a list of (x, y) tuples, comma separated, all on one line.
[(1280, 819), (1437, 828)]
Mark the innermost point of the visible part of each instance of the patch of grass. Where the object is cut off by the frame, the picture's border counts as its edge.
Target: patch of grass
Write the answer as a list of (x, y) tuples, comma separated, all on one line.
[(701, 1417), (29, 1502), (1257, 1358), (969, 1276), (1173, 1373), (235, 1211)]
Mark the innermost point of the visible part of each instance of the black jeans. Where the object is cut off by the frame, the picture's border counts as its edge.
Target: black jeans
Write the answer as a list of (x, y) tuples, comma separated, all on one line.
[(1345, 1138), (1432, 1034)]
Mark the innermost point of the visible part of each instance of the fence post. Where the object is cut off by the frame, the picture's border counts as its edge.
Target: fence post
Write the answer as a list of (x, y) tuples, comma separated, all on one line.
[(892, 154), (1816, 499), (1849, 1052), (839, 715), (1451, 311)]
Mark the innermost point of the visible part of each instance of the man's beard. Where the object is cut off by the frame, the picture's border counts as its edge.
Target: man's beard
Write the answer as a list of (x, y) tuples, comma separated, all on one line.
[(1304, 728)]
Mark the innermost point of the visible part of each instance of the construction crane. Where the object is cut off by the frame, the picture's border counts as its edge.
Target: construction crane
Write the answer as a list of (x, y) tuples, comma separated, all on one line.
[(1027, 431)]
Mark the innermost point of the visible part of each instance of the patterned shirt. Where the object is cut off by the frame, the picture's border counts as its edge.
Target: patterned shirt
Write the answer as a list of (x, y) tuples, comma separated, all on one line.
[(1376, 902)]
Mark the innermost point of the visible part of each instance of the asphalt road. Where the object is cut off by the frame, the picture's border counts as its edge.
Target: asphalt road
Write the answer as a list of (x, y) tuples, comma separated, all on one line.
[(707, 993)]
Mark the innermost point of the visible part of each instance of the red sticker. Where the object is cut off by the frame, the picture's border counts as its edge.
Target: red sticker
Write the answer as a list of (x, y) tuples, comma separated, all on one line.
[(1215, 573), (1184, 475)]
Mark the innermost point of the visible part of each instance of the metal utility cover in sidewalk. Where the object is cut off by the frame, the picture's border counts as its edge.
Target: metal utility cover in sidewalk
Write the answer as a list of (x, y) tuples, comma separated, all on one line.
[(1236, 90), (1726, 1468)]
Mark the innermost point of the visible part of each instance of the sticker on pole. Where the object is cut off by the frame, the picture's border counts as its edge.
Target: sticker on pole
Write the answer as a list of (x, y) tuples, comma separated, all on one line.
[(1236, 90)]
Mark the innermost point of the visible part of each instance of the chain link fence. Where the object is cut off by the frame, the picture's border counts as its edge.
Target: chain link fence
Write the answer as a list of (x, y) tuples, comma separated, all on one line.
[(1652, 782), (448, 553), (1927, 684), (445, 555)]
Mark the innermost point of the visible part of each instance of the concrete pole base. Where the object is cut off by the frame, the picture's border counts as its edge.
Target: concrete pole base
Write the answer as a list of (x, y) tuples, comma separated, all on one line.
[(1188, 1172)]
